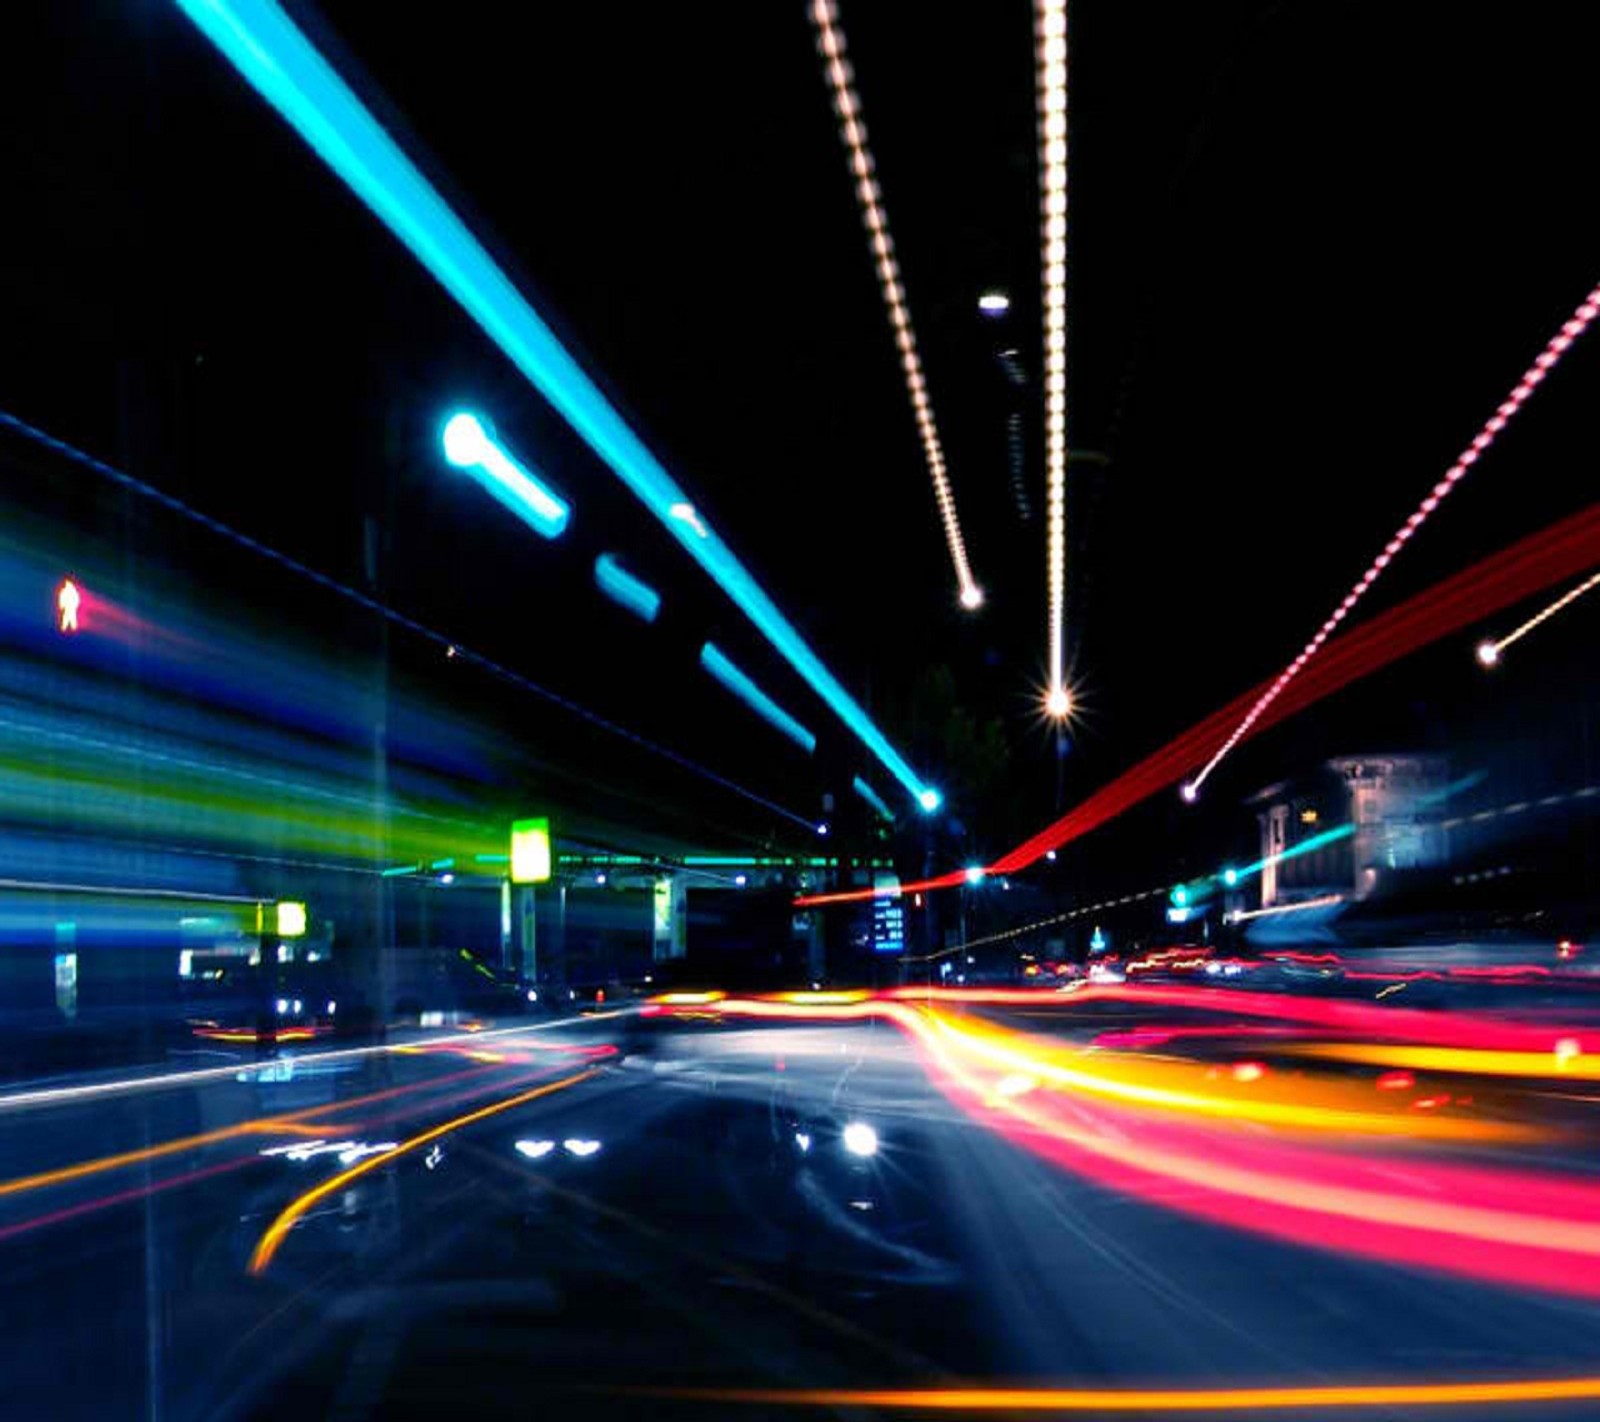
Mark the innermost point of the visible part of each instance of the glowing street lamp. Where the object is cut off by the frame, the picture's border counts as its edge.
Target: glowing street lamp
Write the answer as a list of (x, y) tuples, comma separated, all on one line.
[(994, 304), (469, 445), (1058, 704)]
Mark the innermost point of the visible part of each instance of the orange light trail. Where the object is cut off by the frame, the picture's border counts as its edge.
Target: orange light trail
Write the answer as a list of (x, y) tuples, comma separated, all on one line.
[(1293, 1103), (1525, 1228), (163, 1081), (277, 1231), (1123, 1400), (291, 1125), (82, 1171), (1565, 1059), (245, 1034)]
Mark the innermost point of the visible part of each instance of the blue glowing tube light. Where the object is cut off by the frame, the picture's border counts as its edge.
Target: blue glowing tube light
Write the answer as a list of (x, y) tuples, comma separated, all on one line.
[(871, 796), (624, 589), (713, 660), (468, 445), (260, 41)]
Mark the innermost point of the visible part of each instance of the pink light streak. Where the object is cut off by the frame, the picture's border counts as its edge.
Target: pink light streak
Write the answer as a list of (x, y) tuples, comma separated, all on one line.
[(1543, 364)]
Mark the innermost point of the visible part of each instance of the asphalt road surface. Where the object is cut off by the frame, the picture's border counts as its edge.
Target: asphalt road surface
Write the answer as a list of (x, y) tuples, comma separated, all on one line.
[(699, 1209)]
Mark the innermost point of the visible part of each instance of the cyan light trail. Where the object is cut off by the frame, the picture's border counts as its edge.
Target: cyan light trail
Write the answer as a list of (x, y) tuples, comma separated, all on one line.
[(287, 70)]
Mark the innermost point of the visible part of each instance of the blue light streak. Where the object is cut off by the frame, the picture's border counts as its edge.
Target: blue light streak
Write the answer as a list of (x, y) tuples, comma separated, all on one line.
[(294, 707), (624, 589), (871, 796), (286, 69), (715, 662), (469, 446), (1306, 846)]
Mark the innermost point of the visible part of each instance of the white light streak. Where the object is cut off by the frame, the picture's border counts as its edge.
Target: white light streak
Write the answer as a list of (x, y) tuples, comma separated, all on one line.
[(309, 1061), (1489, 652), (1051, 35), (1555, 348), (1243, 915), (853, 130)]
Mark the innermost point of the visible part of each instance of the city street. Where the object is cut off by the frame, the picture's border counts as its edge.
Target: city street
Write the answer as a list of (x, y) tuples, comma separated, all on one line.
[(690, 1215)]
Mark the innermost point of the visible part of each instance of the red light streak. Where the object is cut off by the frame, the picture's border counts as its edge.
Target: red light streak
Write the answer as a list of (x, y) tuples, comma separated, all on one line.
[(1135, 1039), (1512, 1226), (1498, 581), (1554, 349), (122, 1197)]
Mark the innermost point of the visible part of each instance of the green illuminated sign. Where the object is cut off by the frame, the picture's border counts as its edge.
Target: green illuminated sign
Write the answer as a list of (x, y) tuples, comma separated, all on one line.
[(530, 851)]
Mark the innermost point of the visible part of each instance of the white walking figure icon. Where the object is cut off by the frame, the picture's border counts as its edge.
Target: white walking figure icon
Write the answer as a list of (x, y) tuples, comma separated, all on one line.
[(68, 601)]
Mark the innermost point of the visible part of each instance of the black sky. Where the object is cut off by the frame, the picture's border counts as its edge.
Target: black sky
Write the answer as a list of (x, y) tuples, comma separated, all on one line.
[(1312, 246)]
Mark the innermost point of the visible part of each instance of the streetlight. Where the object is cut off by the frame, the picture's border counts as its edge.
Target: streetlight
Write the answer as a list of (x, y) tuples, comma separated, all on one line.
[(469, 445), (994, 304)]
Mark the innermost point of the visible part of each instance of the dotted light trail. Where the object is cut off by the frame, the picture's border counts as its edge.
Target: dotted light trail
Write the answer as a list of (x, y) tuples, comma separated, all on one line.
[(1051, 26), (1553, 555), (1489, 652), (853, 130), (1557, 346)]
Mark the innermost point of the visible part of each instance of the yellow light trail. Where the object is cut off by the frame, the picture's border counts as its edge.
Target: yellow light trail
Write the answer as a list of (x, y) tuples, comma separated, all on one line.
[(267, 1245), (1356, 1203), (1124, 1400), (1566, 1060), (84, 1169), (1336, 1107)]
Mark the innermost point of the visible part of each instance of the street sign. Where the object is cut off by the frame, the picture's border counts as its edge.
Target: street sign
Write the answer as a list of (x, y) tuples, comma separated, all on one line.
[(291, 919), (888, 915)]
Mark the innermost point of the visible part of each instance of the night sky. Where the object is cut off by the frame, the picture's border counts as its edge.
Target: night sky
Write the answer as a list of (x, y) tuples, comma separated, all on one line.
[(1312, 247)]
